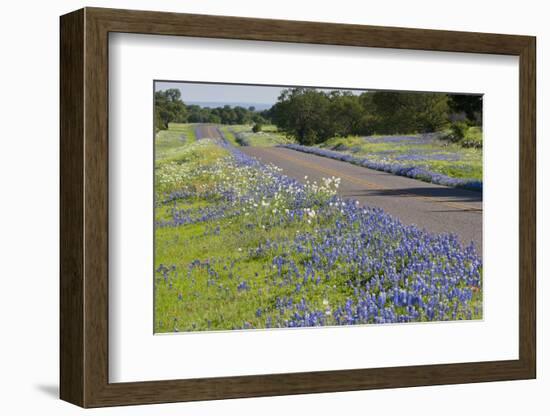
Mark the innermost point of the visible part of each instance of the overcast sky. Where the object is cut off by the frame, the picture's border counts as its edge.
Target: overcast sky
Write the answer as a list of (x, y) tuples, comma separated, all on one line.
[(224, 93)]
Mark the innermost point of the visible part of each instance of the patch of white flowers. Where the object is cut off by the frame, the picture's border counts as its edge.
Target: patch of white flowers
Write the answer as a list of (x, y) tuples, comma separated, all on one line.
[(203, 177)]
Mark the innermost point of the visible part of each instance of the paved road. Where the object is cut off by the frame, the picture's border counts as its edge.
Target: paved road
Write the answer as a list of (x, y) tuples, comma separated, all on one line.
[(436, 208), (203, 131)]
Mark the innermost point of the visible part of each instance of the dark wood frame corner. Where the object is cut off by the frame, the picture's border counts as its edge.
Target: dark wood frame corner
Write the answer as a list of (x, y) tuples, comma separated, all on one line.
[(84, 207)]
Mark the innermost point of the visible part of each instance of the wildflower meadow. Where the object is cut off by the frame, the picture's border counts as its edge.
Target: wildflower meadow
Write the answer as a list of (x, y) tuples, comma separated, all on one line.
[(427, 157), (239, 245)]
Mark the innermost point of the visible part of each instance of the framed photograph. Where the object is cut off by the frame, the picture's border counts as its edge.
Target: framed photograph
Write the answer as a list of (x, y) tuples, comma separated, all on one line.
[(255, 207)]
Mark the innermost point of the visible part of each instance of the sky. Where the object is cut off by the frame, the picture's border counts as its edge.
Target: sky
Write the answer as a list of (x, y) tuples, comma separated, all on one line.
[(224, 93)]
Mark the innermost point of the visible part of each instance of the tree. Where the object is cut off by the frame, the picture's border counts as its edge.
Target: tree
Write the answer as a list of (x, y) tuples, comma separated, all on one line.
[(345, 112), (410, 112), (304, 114), (369, 118), (432, 112), (242, 115), (258, 118), (469, 104), (195, 115), (169, 107), (159, 122)]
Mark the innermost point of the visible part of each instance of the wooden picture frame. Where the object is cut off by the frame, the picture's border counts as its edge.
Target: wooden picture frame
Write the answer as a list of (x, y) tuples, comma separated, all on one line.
[(84, 207)]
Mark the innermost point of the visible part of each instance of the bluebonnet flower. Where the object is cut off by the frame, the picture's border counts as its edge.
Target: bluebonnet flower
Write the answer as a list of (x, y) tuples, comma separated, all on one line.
[(368, 266), (394, 168)]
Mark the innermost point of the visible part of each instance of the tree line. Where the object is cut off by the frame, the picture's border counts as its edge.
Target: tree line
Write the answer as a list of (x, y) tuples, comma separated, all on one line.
[(312, 116), (169, 108)]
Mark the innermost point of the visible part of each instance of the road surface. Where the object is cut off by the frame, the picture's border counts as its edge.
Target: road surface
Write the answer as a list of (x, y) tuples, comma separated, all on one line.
[(436, 208), (203, 131)]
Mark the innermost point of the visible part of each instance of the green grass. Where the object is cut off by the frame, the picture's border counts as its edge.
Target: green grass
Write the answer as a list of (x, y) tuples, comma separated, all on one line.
[(269, 136), (168, 142), (221, 306), (208, 306), (229, 134), (463, 162), (473, 138), (190, 299), (172, 152)]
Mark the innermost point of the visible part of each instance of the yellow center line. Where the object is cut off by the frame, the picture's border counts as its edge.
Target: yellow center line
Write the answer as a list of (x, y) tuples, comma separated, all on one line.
[(371, 185)]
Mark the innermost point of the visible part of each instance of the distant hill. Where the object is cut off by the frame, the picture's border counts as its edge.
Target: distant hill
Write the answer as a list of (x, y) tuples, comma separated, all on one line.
[(211, 104)]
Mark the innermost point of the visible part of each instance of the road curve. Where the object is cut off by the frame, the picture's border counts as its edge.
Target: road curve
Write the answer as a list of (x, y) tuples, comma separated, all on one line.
[(436, 208)]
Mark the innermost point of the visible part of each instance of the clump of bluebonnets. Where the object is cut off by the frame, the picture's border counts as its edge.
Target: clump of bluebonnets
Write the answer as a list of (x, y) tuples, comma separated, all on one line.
[(340, 264)]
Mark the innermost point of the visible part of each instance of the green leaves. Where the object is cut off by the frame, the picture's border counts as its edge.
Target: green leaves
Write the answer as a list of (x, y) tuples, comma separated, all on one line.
[(313, 115)]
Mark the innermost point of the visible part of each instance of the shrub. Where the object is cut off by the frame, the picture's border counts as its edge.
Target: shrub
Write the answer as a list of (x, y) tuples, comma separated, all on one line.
[(257, 128), (241, 139), (459, 129), (159, 122), (473, 138)]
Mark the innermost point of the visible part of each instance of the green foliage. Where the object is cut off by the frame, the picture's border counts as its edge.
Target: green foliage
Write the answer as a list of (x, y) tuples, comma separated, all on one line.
[(159, 122), (465, 135), (468, 104), (169, 108), (473, 138), (409, 112), (458, 131), (345, 113), (312, 116), (224, 115), (303, 113)]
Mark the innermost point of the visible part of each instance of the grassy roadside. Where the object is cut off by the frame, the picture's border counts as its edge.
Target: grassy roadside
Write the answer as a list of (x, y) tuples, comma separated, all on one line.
[(268, 136), (240, 246), (428, 152), (229, 134), (168, 142)]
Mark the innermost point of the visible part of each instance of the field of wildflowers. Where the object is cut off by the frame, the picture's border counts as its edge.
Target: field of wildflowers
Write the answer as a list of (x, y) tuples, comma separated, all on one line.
[(238, 245), (425, 157)]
